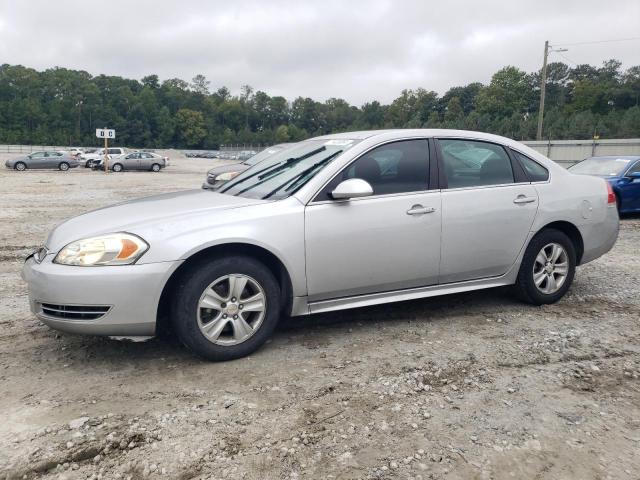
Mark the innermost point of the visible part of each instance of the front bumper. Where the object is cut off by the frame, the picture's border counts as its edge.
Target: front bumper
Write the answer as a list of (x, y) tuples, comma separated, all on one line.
[(131, 293)]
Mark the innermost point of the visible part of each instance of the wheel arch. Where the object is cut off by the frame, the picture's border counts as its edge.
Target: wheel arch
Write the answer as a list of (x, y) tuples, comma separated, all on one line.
[(268, 258), (571, 231)]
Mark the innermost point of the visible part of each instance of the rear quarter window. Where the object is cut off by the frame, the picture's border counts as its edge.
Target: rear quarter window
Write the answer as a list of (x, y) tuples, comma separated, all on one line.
[(535, 171)]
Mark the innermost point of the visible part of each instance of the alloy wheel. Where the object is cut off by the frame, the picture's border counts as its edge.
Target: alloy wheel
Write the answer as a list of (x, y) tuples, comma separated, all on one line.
[(231, 309), (550, 268)]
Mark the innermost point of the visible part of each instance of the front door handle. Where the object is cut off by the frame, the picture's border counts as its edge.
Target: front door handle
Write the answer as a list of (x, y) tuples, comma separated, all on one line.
[(420, 210), (523, 199)]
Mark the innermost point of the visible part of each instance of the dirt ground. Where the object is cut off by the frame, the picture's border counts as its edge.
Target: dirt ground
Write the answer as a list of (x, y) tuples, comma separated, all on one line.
[(469, 386)]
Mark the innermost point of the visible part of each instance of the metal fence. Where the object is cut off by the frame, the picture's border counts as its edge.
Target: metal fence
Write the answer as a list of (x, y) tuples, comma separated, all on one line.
[(564, 152), (29, 148), (568, 152)]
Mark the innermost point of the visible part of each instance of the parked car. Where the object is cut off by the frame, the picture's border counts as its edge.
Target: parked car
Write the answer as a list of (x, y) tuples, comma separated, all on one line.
[(246, 154), (334, 222), (220, 175), (46, 159), (135, 161), (623, 173), (75, 151), (91, 159)]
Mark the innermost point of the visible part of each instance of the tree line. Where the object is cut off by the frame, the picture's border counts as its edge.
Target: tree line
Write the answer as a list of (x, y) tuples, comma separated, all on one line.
[(59, 106)]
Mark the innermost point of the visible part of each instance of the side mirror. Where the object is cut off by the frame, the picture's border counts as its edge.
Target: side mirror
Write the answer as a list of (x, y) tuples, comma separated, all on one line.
[(352, 188), (633, 175)]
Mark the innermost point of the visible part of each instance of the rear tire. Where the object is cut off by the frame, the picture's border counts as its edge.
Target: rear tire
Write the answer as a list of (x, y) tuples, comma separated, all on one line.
[(547, 268), (64, 166), (226, 308), (20, 166), (117, 167), (155, 167)]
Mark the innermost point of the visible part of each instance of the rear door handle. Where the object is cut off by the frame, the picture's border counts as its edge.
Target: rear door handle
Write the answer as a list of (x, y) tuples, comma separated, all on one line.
[(523, 199), (420, 210)]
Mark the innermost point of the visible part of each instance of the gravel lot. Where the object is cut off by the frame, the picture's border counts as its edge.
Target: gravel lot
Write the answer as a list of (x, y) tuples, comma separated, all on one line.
[(465, 386)]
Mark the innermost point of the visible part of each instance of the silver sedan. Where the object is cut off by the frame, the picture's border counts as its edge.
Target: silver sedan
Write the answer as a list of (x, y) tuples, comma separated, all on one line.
[(147, 161), (49, 159), (335, 222)]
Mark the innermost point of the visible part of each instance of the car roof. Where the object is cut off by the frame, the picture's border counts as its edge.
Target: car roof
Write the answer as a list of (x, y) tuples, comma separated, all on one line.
[(613, 157), (427, 132)]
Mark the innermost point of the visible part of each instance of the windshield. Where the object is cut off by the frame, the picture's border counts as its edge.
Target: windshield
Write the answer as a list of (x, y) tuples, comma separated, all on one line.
[(264, 154), (285, 172), (604, 166)]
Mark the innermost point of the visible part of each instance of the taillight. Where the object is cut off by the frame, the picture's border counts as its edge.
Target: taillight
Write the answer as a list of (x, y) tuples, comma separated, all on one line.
[(611, 195)]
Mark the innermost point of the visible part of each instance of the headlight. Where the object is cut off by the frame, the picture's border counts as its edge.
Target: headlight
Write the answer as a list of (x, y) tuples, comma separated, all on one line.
[(225, 177), (111, 249)]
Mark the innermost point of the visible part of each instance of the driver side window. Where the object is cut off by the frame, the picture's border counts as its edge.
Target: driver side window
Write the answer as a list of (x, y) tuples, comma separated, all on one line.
[(397, 167), (635, 168)]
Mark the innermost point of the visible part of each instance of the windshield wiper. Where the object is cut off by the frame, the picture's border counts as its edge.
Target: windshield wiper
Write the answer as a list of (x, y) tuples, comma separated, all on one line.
[(274, 171), (296, 180), (270, 170)]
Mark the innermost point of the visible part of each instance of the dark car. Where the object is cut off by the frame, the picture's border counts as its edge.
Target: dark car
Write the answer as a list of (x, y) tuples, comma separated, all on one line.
[(622, 173), (220, 175)]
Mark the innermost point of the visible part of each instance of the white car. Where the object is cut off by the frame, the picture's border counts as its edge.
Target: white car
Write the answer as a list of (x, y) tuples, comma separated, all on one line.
[(90, 159)]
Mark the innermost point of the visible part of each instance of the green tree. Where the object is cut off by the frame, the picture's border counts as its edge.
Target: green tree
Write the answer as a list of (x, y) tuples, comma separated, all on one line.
[(282, 134), (507, 93), (190, 127)]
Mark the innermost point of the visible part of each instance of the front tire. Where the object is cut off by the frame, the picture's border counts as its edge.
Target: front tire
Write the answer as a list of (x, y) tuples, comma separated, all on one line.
[(64, 166), (547, 268), (226, 308), (155, 167), (21, 166), (117, 167)]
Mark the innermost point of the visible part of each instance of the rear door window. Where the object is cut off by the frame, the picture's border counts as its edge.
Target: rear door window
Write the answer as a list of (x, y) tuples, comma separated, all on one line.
[(471, 163)]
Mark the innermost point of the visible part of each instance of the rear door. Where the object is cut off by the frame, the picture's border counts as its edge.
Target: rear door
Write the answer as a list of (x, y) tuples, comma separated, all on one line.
[(488, 207), (54, 159), (146, 159)]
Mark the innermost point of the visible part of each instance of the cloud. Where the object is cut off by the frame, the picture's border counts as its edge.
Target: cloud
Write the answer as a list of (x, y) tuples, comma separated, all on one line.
[(357, 50)]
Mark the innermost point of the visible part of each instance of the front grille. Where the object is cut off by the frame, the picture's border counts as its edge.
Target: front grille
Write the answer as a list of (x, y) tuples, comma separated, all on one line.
[(74, 312)]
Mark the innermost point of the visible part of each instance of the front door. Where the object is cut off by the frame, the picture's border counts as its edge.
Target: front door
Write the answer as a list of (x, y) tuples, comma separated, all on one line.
[(630, 189), (487, 211), (38, 160), (388, 241)]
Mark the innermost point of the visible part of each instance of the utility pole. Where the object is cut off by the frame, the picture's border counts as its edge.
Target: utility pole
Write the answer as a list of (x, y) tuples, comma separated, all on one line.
[(543, 86)]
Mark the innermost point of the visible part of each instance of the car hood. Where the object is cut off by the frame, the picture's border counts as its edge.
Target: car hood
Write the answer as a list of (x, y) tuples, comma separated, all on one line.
[(133, 215), (232, 167)]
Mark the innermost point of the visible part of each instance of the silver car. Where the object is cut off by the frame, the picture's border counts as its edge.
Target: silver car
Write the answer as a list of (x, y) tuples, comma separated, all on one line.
[(220, 175), (49, 159), (335, 222), (135, 161)]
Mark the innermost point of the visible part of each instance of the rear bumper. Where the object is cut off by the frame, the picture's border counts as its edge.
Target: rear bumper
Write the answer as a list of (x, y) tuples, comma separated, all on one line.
[(600, 237), (129, 293)]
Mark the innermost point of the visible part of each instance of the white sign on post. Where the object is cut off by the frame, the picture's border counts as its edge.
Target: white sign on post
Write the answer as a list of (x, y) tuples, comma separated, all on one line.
[(105, 133)]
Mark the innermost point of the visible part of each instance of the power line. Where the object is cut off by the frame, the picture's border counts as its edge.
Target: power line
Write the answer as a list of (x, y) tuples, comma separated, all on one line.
[(567, 59), (596, 41)]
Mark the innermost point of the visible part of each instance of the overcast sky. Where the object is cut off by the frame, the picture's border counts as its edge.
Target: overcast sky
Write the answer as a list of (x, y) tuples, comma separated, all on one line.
[(357, 50)]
